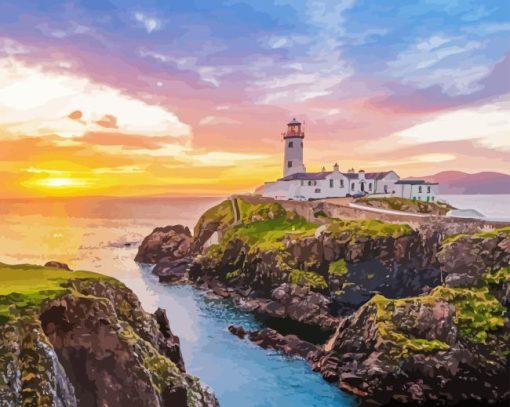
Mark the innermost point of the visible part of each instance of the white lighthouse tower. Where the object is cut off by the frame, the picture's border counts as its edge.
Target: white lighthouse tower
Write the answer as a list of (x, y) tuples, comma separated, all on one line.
[(293, 155)]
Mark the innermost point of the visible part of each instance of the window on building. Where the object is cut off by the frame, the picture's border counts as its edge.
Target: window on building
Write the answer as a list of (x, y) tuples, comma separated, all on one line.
[(353, 186), (428, 189), (386, 189), (302, 182), (291, 144), (331, 183), (309, 183), (419, 190), (341, 183), (289, 164), (370, 186), (317, 190), (314, 183)]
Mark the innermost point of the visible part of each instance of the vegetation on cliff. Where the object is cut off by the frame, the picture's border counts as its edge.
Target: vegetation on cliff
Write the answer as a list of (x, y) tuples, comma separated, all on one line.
[(71, 338), (407, 205), (352, 229)]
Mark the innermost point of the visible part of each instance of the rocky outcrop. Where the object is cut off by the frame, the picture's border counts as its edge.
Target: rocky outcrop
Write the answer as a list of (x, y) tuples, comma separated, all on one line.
[(417, 314), (89, 344), (465, 258), (268, 338), (169, 242), (57, 264), (296, 303), (173, 271), (421, 350)]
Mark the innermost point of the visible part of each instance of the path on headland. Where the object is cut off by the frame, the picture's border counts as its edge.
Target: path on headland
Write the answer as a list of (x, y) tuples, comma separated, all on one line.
[(235, 209), (387, 211)]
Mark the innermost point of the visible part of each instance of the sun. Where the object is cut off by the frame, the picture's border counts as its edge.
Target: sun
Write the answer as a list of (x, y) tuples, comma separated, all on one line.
[(62, 183)]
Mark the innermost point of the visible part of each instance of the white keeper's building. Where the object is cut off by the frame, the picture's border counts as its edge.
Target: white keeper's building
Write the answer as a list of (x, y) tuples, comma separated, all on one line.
[(297, 184)]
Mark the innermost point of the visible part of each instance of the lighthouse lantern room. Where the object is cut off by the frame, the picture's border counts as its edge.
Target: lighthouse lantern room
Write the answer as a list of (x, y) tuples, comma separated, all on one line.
[(293, 155)]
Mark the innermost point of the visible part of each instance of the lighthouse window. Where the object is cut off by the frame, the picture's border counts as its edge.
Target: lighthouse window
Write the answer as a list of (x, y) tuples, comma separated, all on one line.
[(289, 164), (341, 183), (370, 186), (291, 144), (353, 186), (331, 183)]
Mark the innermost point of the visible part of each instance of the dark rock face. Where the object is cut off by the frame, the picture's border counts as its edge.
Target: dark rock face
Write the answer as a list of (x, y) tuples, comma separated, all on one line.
[(97, 347), (57, 265), (414, 354), (169, 242), (294, 302), (238, 331), (172, 270), (268, 338), (464, 260)]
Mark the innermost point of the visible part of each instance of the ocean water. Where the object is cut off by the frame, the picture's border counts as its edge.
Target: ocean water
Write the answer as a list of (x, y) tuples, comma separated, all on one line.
[(493, 207), (102, 235)]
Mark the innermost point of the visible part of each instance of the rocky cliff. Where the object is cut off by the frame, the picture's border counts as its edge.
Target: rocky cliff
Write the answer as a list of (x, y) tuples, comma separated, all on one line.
[(416, 313), (81, 339)]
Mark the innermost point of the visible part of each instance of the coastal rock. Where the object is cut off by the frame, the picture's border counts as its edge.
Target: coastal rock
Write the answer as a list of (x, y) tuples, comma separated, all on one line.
[(268, 338), (412, 351), (238, 331), (169, 242), (57, 264), (172, 271), (92, 345), (465, 258)]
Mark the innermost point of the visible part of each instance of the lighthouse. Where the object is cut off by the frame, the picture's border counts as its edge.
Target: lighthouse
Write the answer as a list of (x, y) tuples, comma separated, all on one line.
[(293, 155)]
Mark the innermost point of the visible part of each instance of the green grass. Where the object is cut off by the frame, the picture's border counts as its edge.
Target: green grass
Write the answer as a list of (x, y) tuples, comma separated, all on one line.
[(307, 279), (408, 205), (24, 287), (220, 214), (338, 268), (500, 276), (505, 231), (368, 228), (263, 227)]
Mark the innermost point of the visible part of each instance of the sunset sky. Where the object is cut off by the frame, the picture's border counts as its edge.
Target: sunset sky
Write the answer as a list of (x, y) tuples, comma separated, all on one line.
[(190, 97)]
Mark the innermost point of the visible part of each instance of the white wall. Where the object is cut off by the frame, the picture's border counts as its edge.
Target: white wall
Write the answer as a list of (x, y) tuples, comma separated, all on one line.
[(388, 181), (293, 154), (427, 193)]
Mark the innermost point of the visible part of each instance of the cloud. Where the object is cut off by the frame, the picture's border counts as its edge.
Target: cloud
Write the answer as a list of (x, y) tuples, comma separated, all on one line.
[(150, 23), (215, 120), (36, 102), (108, 121), (488, 125), (424, 64), (221, 158)]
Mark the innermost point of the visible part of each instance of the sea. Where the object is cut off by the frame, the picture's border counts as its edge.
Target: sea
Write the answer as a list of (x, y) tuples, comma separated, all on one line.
[(102, 235)]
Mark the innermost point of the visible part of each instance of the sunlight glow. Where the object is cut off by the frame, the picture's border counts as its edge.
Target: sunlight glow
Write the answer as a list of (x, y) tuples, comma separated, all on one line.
[(63, 183)]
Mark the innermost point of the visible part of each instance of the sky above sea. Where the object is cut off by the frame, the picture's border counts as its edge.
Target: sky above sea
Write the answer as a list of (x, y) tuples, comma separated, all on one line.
[(190, 97)]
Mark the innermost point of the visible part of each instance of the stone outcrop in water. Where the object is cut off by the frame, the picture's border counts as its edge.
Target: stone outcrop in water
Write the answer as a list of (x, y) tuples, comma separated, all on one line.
[(84, 340), (169, 242), (268, 338), (419, 314)]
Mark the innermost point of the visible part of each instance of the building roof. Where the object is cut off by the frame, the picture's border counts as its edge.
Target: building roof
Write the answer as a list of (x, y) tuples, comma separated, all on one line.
[(414, 182), (294, 121), (309, 176), (377, 175)]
